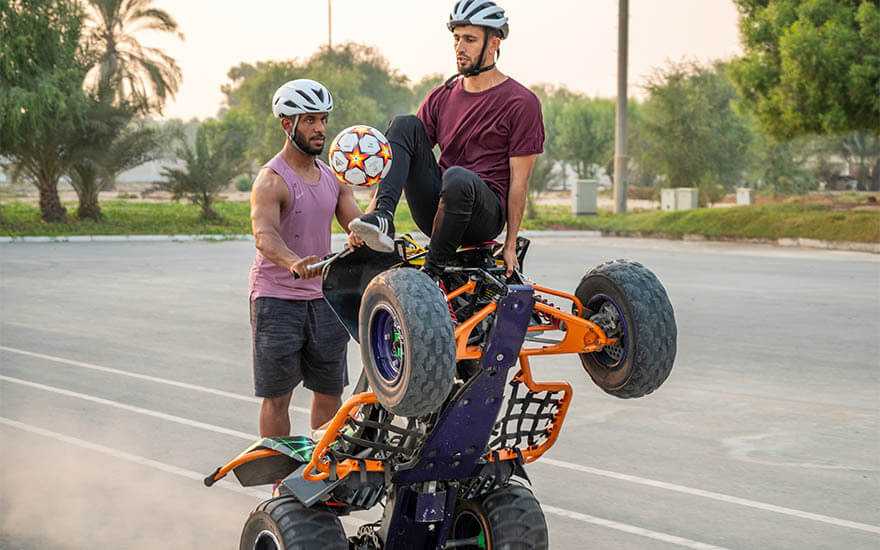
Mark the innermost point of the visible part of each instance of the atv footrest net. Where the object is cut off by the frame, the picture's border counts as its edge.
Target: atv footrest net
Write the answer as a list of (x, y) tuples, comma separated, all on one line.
[(531, 419)]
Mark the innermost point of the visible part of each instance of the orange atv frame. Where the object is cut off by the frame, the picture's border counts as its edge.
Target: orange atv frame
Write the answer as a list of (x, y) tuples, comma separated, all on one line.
[(580, 336)]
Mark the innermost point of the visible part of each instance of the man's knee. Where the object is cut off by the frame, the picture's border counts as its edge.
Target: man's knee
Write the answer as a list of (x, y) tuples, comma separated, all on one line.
[(403, 125), (277, 405), (458, 185)]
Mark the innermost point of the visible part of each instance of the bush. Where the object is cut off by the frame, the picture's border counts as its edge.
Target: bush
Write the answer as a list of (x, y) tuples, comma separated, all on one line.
[(242, 183)]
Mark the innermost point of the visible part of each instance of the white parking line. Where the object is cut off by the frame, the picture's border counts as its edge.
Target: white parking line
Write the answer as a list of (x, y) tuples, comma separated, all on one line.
[(155, 379), (143, 461), (544, 460), (632, 529), (712, 495), (262, 494), (131, 408)]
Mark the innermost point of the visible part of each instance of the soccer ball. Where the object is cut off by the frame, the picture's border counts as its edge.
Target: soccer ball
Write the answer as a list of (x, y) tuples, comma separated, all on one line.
[(360, 155)]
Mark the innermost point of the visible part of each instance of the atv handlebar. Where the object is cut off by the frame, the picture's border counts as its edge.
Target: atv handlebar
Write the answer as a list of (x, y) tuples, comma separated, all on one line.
[(327, 259), (322, 263)]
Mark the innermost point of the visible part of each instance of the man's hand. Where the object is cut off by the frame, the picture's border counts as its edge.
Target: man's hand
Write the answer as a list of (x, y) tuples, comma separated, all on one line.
[(300, 267), (520, 172), (354, 240), (510, 259)]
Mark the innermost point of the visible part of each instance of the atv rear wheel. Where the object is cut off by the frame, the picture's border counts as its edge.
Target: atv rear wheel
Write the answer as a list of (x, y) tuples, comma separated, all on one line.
[(630, 304), (285, 524), (507, 519), (407, 342)]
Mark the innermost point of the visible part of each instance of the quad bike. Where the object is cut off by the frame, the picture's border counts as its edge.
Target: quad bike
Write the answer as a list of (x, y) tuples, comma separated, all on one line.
[(436, 430)]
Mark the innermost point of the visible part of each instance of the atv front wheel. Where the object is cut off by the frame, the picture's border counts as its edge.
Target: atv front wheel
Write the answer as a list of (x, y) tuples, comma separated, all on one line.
[(285, 524), (507, 519), (628, 302), (407, 342)]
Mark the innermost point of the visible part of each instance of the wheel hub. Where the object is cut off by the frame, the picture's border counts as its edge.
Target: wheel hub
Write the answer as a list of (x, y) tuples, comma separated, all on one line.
[(610, 320), (387, 345)]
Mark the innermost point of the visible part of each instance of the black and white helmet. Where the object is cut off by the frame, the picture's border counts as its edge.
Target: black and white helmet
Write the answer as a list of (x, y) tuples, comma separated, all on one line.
[(482, 13), (301, 96)]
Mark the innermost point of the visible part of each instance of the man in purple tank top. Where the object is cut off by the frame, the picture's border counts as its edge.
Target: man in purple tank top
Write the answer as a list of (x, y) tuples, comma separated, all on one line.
[(489, 129), (296, 336)]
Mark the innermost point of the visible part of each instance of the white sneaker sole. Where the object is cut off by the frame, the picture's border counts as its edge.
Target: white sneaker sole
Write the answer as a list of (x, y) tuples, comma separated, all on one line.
[(375, 239)]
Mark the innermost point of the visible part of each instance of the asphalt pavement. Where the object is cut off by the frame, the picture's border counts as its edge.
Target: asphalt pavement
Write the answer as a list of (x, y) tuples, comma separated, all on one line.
[(125, 377)]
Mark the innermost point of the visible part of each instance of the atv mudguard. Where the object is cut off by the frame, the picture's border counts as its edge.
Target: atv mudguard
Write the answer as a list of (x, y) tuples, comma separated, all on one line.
[(346, 277)]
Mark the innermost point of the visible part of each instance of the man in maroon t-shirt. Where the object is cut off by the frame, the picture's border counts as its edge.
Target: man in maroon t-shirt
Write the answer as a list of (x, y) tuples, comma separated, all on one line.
[(489, 129)]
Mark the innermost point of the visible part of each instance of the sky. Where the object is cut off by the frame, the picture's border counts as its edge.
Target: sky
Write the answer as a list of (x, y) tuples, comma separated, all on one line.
[(560, 42)]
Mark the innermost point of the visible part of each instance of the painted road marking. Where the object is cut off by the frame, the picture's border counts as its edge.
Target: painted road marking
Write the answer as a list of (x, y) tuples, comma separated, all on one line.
[(260, 494), (146, 377), (131, 408), (263, 495), (544, 460), (711, 495)]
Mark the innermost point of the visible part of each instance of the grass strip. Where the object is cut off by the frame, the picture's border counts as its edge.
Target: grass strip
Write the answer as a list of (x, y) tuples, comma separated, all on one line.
[(767, 221)]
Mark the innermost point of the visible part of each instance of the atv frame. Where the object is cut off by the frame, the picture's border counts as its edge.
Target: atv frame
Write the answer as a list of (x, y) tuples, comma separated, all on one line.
[(400, 437)]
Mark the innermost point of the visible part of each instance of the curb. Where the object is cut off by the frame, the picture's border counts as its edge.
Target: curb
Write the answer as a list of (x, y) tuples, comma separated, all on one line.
[(123, 238), (871, 248)]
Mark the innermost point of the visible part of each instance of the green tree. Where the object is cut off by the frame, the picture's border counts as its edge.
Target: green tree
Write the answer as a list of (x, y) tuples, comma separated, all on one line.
[(781, 166), (862, 152), (810, 66), (423, 87), (144, 76), (365, 91), (209, 164), (637, 144), (543, 176), (111, 142), (42, 105), (553, 102), (692, 135), (586, 134)]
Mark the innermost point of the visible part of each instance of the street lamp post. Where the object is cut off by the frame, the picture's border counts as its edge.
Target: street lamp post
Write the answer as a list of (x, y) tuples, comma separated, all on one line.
[(620, 158), (329, 25)]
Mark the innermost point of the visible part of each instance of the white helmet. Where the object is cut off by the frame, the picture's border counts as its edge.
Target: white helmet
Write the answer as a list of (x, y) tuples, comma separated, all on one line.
[(482, 13), (301, 96)]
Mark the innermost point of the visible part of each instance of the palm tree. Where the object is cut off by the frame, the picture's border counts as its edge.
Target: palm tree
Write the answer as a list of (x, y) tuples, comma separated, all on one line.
[(110, 143), (141, 75), (208, 165)]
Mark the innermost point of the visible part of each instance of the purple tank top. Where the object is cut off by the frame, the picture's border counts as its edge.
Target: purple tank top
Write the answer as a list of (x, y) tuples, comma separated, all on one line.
[(305, 228)]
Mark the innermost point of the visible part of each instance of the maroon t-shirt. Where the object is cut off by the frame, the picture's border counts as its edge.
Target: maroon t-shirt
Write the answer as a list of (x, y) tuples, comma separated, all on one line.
[(481, 131)]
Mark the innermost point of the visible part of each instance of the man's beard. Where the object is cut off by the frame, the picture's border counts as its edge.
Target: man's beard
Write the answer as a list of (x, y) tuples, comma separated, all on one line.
[(468, 66), (303, 144)]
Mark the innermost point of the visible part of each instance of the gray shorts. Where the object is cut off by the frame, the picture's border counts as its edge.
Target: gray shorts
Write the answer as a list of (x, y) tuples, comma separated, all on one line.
[(297, 341)]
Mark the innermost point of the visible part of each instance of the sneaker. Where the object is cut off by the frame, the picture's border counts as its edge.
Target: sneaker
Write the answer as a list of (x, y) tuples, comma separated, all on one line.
[(376, 229)]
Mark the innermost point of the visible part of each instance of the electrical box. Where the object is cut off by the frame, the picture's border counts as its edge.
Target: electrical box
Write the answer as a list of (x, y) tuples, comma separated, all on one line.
[(687, 198), (745, 196), (679, 198), (583, 198)]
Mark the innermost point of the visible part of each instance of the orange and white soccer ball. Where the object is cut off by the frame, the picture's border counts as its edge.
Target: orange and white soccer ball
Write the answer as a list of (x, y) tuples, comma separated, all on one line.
[(360, 155)]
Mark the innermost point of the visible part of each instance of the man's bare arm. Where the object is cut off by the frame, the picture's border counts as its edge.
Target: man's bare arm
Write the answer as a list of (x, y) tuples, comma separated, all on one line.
[(347, 209), (520, 172), (268, 197)]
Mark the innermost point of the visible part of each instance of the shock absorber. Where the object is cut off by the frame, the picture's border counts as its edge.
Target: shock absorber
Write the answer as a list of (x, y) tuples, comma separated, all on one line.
[(546, 317)]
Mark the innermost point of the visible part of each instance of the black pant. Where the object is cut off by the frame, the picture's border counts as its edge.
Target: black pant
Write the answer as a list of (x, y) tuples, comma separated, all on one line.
[(454, 208)]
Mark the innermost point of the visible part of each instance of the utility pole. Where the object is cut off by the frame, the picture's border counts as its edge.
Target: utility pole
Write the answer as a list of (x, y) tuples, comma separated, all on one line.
[(620, 158), (329, 25)]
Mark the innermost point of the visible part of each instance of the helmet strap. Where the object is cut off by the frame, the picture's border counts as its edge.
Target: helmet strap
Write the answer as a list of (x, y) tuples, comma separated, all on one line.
[(291, 134), (450, 82)]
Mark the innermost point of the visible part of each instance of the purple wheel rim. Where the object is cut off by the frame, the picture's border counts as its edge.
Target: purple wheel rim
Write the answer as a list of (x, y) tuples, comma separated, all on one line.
[(386, 344)]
